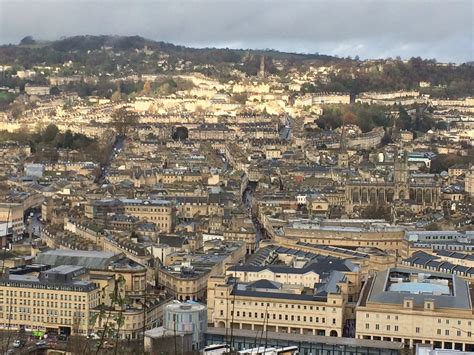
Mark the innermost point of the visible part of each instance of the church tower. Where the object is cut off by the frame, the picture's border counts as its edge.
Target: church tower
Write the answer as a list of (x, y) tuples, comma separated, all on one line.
[(469, 182), (400, 175), (261, 72), (342, 156)]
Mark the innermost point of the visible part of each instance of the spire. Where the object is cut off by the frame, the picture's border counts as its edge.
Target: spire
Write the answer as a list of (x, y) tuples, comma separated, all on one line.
[(262, 67), (343, 143)]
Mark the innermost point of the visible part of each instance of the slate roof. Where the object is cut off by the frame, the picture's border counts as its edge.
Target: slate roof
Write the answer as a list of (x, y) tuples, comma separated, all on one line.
[(88, 259), (261, 284)]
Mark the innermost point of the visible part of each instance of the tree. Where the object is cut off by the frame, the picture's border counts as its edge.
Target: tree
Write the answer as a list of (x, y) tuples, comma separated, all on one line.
[(181, 133), (443, 162), (68, 139), (349, 117), (50, 133), (54, 91), (17, 109), (375, 211), (433, 227), (27, 40), (146, 88), (116, 96), (123, 120)]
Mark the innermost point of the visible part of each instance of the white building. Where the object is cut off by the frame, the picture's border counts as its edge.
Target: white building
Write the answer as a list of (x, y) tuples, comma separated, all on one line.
[(187, 317)]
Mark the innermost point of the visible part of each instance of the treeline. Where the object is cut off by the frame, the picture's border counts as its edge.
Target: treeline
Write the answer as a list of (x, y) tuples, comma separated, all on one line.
[(366, 117), (87, 56), (446, 81), (443, 162), (122, 90), (45, 142), (87, 51)]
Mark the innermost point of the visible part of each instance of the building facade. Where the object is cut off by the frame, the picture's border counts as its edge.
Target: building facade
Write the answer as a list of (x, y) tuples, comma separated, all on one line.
[(405, 305)]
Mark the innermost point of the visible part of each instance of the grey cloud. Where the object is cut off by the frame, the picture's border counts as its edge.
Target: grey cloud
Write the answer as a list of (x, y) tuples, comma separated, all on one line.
[(368, 28)]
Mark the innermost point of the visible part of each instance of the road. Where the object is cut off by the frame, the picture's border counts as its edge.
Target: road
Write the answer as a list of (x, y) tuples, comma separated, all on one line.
[(104, 168), (34, 225), (285, 132), (247, 200)]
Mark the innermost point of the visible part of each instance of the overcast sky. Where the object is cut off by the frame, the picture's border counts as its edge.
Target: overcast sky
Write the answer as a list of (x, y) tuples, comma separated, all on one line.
[(441, 29)]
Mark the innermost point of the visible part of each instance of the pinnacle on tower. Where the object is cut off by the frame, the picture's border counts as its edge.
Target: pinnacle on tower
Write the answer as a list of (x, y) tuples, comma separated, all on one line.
[(262, 67)]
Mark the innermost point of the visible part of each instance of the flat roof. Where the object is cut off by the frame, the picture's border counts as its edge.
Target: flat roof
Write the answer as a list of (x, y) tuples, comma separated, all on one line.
[(381, 292)]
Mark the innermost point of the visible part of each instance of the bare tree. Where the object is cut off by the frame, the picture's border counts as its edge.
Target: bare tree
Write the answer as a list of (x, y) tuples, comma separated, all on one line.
[(123, 120)]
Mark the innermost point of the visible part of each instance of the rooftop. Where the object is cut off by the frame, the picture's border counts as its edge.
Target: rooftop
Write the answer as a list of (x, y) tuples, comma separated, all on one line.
[(393, 285)]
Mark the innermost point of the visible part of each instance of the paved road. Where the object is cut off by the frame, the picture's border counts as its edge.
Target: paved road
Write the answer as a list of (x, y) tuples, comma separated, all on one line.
[(34, 224)]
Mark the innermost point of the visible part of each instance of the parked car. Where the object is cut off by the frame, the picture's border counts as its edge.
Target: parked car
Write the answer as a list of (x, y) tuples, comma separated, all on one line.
[(19, 343), (41, 343), (93, 336)]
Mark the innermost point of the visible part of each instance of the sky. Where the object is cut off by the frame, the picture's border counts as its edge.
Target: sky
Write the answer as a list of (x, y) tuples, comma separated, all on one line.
[(440, 29)]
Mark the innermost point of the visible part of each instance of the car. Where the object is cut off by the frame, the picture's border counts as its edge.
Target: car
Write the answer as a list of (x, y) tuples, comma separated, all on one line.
[(41, 343), (19, 343), (93, 336), (62, 337)]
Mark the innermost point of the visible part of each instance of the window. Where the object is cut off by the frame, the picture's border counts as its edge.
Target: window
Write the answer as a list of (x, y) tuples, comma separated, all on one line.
[(376, 327), (446, 332), (396, 328), (417, 329), (367, 326), (388, 327)]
